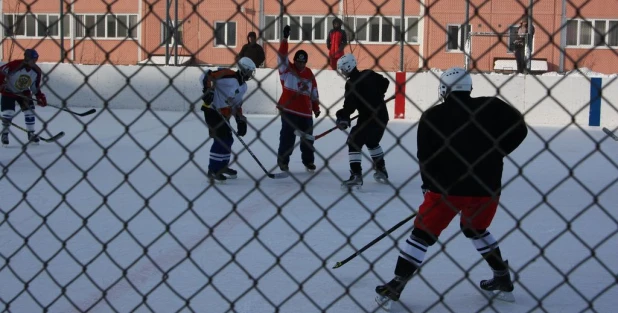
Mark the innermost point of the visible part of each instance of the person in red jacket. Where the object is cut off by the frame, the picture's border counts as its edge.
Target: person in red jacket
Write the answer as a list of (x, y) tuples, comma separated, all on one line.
[(336, 42), (299, 99), (19, 79)]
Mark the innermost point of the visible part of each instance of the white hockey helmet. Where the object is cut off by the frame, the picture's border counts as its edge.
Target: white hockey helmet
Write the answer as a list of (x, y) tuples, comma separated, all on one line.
[(346, 64), (246, 67), (454, 79)]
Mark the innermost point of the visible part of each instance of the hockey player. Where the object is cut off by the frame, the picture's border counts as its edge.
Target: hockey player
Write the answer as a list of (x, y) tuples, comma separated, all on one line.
[(223, 91), (298, 100), (364, 91), (20, 79), (461, 146)]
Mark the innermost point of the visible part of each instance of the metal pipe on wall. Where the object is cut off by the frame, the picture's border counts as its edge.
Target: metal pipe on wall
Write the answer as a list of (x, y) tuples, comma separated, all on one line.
[(176, 26), (529, 38), (261, 24), (61, 30), (563, 25), (280, 21), (402, 34), (466, 35), (167, 32)]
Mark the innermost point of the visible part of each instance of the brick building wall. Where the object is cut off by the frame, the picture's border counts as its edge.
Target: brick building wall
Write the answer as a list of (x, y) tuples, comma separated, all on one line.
[(136, 31)]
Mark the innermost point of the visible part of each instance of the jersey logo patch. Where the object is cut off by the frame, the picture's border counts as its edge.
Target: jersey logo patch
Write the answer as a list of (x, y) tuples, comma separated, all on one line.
[(23, 82)]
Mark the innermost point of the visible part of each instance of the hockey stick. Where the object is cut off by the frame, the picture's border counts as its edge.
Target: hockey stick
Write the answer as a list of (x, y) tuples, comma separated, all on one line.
[(610, 134), (311, 137), (270, 175), (52, 139), (91, 111), (357, 253)]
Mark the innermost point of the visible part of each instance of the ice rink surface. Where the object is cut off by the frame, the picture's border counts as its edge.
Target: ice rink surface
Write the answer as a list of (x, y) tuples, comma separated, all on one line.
[(127, 194)]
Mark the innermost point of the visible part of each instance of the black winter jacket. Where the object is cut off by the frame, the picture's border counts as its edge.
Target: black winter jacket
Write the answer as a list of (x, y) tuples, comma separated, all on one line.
[(462, 143), (364, 91)]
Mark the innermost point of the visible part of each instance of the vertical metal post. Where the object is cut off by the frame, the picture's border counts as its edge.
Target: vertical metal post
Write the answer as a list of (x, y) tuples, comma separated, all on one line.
[(402, 31), (563, 32), (466, 36), (529, 38), (61, 30), (167, 31), (280, 21), (176, 26), (261, 24)]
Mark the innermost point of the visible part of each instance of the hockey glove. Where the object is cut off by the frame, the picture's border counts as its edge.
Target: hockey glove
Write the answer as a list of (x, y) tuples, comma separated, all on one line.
[(26, 105), (241, 125), (317, 113), (286, 31), (208, 97), (343, 124), (41, 99)]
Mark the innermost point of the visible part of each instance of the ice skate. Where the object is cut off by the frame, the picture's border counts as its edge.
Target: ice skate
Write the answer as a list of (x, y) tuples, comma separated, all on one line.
[(390, 292), (354, 183), (230, 173), (218, 178), (5, 139), (499, 287), (33, 138), (381, 175), (310, 167), (283, 167)]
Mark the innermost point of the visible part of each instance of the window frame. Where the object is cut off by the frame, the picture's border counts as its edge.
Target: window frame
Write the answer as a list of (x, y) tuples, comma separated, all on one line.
[(593, 35), (225, 35), (98, 26), (350, 25), (460, 38), (22, 24)]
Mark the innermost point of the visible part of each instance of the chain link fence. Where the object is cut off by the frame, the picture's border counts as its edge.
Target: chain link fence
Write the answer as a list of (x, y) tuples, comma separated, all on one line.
[(117, 214)]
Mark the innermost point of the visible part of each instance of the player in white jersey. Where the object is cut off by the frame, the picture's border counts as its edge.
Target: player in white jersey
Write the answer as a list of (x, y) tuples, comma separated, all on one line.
[(19, 79), (223, 93)]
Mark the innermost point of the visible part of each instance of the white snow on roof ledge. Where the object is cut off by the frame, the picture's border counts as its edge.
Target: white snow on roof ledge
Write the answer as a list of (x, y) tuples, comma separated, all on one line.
[(160, 60)]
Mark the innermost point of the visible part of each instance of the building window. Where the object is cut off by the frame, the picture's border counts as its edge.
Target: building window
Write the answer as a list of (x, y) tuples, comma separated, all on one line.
[(294, 27), (612, 34), (167, 33), (225, 34), (592, 33), (106, 26), (319, 31), (360, 32), (39, 25), (371, 29), (455, 37)]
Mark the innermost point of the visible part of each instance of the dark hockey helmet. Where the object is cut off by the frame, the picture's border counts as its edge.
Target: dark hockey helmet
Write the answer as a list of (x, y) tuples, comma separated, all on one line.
[(301, 56), (31, 54)]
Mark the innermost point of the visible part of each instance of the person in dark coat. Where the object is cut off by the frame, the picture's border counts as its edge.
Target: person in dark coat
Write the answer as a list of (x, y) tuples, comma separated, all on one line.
[(252, 50)]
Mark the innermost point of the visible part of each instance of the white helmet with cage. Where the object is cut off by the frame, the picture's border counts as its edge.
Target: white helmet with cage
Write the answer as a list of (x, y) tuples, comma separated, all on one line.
[(454, 79), (346, 64), (246, 67)]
